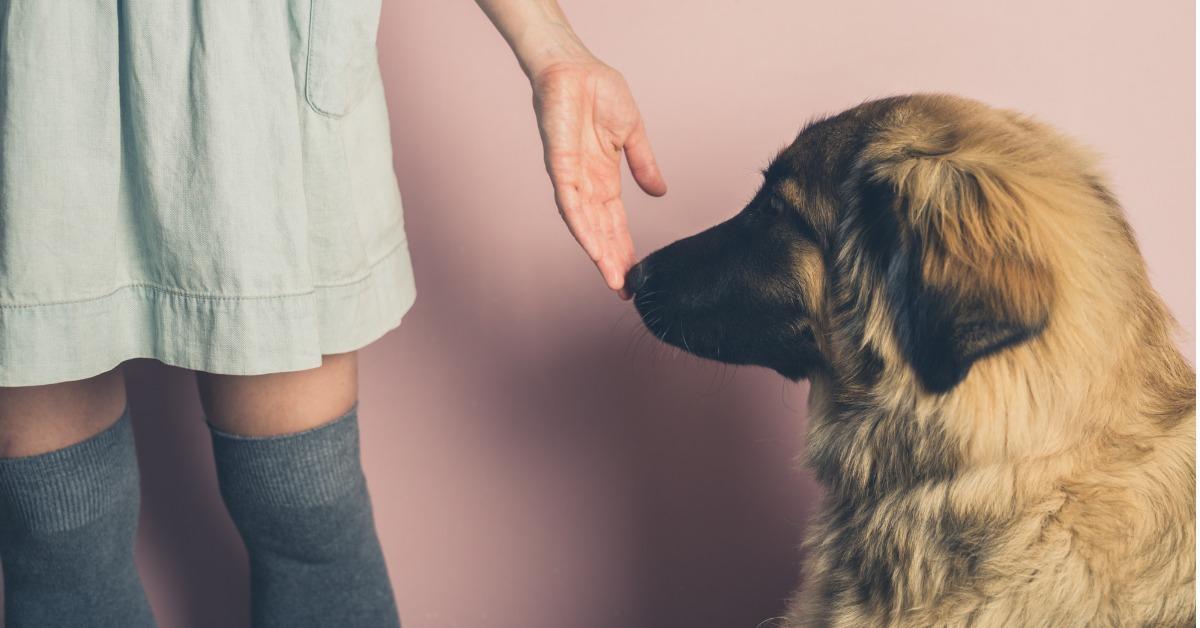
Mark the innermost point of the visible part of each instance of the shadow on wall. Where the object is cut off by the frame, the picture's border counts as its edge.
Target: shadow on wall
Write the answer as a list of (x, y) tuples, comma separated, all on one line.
[(710, 499), (552, 466)]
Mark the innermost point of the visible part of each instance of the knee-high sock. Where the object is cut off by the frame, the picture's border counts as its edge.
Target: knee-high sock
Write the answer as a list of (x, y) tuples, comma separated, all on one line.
[(300, 503), (67, 524)]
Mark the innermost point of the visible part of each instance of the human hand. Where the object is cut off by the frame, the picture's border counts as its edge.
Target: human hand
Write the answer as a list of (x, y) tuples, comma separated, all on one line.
[(587, 117)]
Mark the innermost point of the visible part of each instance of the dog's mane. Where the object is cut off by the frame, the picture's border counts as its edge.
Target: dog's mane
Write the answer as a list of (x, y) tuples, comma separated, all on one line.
[(1078, 384)]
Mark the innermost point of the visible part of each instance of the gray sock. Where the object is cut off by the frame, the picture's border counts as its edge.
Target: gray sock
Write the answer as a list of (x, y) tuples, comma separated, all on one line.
[(300, 503), (67, 524)]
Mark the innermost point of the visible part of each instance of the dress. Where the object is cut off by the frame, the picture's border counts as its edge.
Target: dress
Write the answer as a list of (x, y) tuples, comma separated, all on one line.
[(204, 182)]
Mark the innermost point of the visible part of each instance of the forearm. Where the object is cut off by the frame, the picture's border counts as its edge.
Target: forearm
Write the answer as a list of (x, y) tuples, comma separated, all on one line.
[(537, 31)]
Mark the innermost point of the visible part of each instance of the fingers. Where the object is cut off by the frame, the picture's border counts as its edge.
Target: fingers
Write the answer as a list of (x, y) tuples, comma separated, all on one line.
[(623, 243), (618, 255), (602, 231), (642, 163), (613, 272), (571, 209)]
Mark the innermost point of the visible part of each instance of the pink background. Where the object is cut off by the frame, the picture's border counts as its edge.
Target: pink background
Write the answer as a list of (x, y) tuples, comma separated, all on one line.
[(533, 465)]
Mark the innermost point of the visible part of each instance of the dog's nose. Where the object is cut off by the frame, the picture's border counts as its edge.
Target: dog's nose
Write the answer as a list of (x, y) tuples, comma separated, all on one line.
[(636, 278)]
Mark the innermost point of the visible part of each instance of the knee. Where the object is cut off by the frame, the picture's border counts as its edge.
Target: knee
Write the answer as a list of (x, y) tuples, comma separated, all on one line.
[(68, 488), (317, 533)]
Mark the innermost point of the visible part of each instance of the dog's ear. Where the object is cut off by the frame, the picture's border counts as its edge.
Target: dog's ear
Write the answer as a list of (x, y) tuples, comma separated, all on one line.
[(950, 226)]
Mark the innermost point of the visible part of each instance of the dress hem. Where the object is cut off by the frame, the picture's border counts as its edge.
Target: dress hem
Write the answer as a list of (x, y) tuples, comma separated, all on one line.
[(75, 340)]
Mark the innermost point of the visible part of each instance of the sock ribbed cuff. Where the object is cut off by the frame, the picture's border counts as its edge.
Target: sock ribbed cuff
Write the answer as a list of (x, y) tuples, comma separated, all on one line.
[(294, 470), (66, 488)]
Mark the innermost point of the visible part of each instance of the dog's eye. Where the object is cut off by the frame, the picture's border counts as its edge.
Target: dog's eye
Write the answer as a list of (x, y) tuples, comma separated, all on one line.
[(773, 206), (762, 214)]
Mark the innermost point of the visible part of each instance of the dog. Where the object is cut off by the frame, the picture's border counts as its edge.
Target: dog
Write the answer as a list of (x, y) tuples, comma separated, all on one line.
[(1000, 417)]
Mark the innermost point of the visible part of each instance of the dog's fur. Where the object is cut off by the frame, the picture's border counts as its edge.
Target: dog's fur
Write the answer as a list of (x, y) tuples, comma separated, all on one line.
[(999, 414)]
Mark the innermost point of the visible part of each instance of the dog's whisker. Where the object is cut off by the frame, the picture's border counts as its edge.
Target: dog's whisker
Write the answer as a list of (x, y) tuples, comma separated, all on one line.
[(641, 337), (712, 379), (783, 397), (662, 338), (732, 374), (613, 328), (631, 341)]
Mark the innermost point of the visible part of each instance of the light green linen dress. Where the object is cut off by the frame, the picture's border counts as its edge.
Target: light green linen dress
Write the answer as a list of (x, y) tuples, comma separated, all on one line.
[(204, 182)]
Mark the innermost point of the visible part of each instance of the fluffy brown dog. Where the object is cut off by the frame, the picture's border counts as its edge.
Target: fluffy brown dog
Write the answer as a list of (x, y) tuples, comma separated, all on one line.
[(1002, 421)]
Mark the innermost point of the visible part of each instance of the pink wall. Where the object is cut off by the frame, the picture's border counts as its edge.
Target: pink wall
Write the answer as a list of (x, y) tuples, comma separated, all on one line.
[(534, 465)]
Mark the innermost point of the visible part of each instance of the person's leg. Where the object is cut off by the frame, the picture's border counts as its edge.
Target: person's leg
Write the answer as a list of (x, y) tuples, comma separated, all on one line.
[(68, 506), (287, 455)]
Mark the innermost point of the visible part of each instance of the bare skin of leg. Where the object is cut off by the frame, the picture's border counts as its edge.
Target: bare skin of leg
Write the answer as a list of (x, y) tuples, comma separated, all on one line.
[(280, 403), (39, 419)]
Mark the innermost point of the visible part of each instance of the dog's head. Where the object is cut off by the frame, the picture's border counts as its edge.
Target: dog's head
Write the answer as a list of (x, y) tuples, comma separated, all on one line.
[(910, 233)]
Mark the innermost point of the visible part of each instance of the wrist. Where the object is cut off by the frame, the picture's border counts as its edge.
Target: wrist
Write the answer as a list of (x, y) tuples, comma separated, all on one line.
[(550, 46)]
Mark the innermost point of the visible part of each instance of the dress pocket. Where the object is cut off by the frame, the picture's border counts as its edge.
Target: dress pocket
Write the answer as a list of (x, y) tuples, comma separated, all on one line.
[(342, 57)]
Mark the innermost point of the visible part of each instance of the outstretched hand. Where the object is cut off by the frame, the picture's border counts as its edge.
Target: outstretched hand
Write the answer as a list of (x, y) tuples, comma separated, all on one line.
[(587, 117)]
